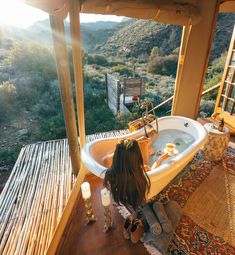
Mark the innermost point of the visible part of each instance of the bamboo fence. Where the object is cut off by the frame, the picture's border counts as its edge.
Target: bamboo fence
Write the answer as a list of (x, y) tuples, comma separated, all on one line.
[(36, 194)]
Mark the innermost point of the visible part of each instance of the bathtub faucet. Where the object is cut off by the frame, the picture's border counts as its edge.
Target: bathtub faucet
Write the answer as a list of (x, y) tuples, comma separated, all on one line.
[(148, 118)]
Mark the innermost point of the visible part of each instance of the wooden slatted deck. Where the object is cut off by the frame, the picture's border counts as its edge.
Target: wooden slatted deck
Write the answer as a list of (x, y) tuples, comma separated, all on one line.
[(35, 195)]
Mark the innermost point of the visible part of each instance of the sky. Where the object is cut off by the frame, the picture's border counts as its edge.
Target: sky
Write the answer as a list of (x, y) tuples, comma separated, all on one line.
[(23, 15)]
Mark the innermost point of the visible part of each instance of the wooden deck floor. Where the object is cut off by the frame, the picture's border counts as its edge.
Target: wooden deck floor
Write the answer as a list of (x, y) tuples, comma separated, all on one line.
[(33, 199), (90, 240)]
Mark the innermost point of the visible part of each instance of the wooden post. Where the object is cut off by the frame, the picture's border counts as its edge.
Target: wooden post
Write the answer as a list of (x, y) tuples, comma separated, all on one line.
[(74, 14), (190, 77), (184, 41), (63, 73)]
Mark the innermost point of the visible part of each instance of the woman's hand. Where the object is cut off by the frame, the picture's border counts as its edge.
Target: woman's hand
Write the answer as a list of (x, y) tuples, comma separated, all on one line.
[(147, 168), (158, 162)]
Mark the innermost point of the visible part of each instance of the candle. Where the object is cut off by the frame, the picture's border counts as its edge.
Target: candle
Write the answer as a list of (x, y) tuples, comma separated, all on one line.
[(86, 191), (105, 197)]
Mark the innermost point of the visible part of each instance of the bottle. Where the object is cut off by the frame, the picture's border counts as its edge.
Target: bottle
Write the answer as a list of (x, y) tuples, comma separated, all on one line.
[(221, 125)]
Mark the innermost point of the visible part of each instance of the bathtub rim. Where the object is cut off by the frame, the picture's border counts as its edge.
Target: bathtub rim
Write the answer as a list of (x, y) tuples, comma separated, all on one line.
[(177, 161)]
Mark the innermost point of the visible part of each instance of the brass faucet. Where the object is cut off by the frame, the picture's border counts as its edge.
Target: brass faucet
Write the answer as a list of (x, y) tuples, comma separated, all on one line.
[(147, 118)]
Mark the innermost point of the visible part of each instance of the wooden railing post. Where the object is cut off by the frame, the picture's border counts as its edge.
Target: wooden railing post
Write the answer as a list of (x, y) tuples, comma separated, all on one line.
[(74, 14), (63, 72)]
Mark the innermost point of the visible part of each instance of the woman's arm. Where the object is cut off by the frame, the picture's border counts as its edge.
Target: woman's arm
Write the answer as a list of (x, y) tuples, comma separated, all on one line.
[(158, 162), (108, 160)]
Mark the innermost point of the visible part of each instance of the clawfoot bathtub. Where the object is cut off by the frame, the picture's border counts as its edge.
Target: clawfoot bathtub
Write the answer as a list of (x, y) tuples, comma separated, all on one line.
[(187, 135)]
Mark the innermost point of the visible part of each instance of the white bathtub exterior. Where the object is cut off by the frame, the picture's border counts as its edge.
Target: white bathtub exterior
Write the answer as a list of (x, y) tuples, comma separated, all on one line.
[(93, 152)]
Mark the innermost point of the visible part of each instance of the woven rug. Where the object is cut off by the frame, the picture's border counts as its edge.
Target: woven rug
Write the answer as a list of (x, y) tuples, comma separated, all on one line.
[(200, 233)]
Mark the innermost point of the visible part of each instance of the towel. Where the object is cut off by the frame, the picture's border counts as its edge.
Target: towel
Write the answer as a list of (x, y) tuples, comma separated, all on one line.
[(161, 242), (154, 225), (160, 212)]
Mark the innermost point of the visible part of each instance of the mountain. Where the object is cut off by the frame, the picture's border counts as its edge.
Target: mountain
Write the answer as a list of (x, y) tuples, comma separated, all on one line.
[(223, 33), (138, 37), (129, 38), (92, 34)]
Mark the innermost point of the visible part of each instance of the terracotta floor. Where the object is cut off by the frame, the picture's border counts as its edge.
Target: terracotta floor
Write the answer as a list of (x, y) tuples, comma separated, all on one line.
[(90, 240)]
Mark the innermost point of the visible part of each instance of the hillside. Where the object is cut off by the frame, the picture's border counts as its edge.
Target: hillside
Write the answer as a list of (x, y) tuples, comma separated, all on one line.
[(92, 34), (143, 37), (147, 34), (130, 38)]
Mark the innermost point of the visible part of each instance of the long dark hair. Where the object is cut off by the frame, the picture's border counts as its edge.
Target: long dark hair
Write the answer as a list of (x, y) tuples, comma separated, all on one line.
[(126, 179)]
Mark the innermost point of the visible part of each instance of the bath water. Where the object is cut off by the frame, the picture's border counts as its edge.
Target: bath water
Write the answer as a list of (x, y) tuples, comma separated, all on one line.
[(181, 139)]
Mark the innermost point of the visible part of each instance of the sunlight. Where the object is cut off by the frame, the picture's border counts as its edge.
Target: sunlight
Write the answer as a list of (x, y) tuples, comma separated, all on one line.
[(17, 13)]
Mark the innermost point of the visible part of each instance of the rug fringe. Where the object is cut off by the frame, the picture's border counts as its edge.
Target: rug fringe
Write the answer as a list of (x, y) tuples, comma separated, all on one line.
[(151, 250)]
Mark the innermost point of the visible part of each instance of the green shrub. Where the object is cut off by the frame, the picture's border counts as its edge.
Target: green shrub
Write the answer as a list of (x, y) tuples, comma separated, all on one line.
[(8, 157), (95, 59), (7, 100), (166, 65), (32, 58), (206, 108), (214, 76), (122, 69), (53, 127)]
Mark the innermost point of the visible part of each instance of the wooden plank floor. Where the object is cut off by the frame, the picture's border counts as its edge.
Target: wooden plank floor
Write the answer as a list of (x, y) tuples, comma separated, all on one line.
[(90, 240)]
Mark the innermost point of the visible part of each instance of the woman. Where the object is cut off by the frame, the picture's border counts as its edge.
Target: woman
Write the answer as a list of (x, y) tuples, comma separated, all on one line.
[(129, 184), (126, 178)]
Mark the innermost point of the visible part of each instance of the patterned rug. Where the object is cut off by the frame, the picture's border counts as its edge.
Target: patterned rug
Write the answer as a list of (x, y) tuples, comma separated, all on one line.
[(190, 238)]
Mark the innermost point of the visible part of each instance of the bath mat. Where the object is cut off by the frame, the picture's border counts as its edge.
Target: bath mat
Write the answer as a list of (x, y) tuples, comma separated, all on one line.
[(190, 237)]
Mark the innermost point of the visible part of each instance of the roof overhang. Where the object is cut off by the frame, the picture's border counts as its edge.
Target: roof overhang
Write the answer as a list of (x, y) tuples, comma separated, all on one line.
[(180, 12)]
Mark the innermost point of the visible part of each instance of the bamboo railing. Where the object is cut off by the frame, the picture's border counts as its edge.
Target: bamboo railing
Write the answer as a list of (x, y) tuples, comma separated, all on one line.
[(170, 99), (35, 195)]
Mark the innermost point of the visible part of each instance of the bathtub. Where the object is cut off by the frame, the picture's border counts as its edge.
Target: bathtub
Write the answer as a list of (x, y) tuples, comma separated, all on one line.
[(93, 152)]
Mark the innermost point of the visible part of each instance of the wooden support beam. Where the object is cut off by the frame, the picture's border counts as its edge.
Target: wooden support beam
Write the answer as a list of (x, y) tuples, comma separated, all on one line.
[(74, 14), (191, 76), (183, 47), (77, 63), (63, 72)]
